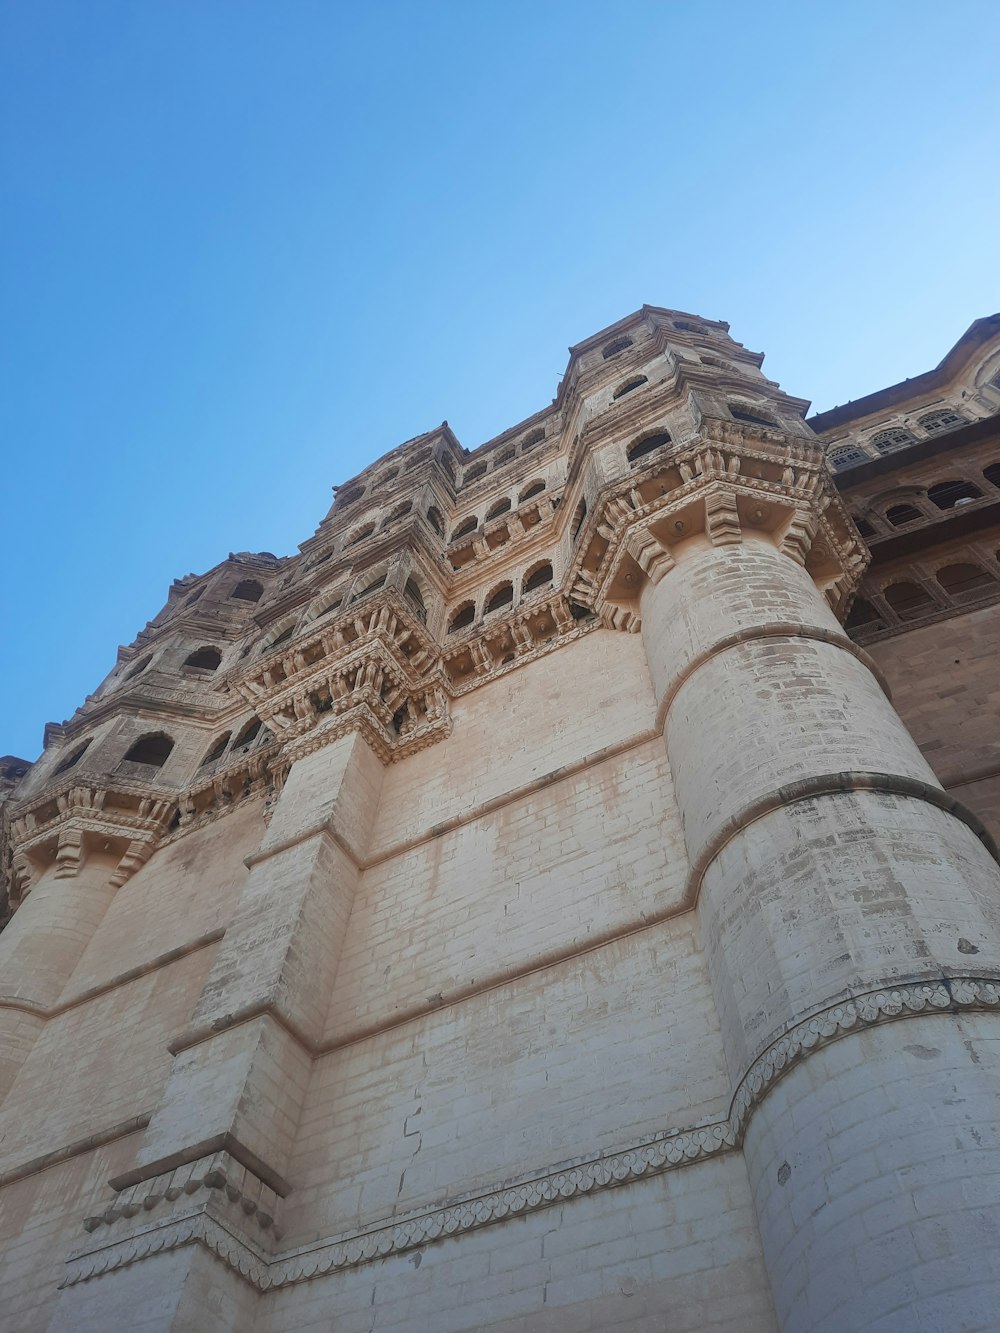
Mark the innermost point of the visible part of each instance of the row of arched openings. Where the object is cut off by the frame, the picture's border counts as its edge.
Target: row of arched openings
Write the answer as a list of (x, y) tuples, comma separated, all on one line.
[(499, 597)]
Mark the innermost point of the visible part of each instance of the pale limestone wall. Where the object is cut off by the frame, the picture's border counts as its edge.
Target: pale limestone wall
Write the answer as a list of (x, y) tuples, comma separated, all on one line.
[(40, 1222), (679, 1251), (603, 1051)]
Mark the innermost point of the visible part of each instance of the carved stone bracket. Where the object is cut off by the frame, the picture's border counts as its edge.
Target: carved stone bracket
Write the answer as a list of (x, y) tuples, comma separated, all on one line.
[(732, 479)]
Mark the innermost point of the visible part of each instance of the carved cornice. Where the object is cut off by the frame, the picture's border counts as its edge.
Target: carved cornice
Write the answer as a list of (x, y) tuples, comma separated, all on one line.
[(207, 1225), (733, 477)]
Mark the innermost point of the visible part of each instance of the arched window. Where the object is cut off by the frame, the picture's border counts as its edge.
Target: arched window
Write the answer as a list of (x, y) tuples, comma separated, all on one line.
[(333, 605), (435, 520), (628, 386), (351, 496), (412, 591), (531, 491), (944, 418), (538, 578), (847, 457), (360, 534), (74, 758), (374, 586), (462, 617), (247, 736), (964, 580), (615, 346), (216, 750), (863, 616), (504, 456), (897, 515), (579, 518), (466, 526), (909, 600), (647, 444), (992, 474), (153, 750), (399, 512), (248, 590), (281, 638), (865, 528), (207, 659), (532, 438), (139, 667), (494, 511), (473, 473), (194, 597), (502, 595), (885, 441), (948, 494), (386, 479), (753, 416), (686, 326)]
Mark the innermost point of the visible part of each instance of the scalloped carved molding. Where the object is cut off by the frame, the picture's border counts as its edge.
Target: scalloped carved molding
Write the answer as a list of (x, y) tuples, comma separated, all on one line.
[(219, 1231)]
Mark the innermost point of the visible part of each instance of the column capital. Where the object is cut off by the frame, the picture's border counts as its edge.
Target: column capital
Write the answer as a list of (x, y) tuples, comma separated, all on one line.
[(729, 480)]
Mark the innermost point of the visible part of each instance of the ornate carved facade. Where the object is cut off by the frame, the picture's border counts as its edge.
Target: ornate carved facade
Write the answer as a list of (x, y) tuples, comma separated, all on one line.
[(502, 914)]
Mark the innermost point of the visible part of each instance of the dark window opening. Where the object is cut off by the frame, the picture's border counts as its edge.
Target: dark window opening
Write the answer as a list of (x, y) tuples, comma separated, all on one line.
[(194, 596), (412, 591), (579, 518), (647, 445), (249, 590), (501, 507), (207, 659), (751, 417), (948, 494), (865, 528), (959, 580), (992, 474), (360, 535), (628, 386), (529, 493), (540, 578), (283, 637), (502, 596), (862, 615), (370, 587), (474, 472), (349, 497), (436, 521), (248, 735), (152, 749), (504, 456), (897, 515), (465, 527), (909, 600), (532, 438), (617, 345), (217, 749), (462, 618), (72, 760), (139, 667)]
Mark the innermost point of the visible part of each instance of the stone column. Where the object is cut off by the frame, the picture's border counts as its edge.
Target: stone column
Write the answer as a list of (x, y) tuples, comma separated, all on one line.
[(840, 891), (43, 943), (212, 1162)]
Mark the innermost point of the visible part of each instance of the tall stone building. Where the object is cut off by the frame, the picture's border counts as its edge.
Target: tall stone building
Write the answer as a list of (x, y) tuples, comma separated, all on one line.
[(563, 896)]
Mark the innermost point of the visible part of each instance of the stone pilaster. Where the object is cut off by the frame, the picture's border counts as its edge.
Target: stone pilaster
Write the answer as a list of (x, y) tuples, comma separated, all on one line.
[(211, 1166)]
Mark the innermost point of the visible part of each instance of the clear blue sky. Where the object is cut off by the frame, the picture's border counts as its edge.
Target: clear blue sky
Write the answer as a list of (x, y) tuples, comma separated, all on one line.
[(247, 247)]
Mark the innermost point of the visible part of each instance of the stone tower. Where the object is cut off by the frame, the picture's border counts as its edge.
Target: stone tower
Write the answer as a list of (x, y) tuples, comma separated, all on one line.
[(524, 909)]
